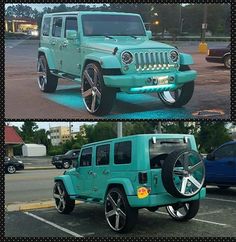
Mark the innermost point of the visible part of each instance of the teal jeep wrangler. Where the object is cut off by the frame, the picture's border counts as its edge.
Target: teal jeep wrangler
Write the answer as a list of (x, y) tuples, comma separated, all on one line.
[(141, 171), (110, 52)]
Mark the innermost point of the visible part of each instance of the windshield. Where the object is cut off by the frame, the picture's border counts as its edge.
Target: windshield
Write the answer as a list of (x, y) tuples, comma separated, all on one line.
[(115, 25), (69, 152), (159, 150)]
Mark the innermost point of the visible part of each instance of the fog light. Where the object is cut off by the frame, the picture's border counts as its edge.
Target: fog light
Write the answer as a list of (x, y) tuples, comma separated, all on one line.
[(126, 68), (149, 81), (172, 79)]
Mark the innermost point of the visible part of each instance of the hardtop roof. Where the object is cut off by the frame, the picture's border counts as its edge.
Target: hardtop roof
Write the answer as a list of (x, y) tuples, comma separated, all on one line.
[(88, 12), (120, 139)]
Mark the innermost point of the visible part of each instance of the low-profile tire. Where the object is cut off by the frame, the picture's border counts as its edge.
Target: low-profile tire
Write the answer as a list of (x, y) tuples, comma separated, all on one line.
[(224, 187), (64, 204), (66, 164), (185, 211), (180, 96), (98, 98), (119, 215), (183, 173), (46, 80), (11, 169), (227, 61)]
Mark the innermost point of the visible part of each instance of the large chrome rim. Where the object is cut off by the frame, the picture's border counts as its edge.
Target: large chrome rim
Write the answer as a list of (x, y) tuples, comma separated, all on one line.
[(11, 169), (59, 196), (228, 62), (189, 173), (42, 73), (91, 88), (171, 97), (178, 211), (115, 212)]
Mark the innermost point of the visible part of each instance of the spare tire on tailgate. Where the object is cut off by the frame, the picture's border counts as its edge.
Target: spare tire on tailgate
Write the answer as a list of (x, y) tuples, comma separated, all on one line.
[(183, 173)]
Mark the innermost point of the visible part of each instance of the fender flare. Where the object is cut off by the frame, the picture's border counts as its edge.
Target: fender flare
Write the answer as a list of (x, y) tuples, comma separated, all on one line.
[(66, 179), (186, 59), (48, 54), (105, 60)]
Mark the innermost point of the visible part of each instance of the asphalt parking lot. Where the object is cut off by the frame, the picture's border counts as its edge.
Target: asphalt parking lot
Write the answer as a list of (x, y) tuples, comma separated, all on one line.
[(24, 100), (216, 217)]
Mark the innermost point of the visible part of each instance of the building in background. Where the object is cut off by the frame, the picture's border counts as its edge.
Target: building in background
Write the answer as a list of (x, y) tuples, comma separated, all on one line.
[(59, 135), (20, 25), (12, 138)]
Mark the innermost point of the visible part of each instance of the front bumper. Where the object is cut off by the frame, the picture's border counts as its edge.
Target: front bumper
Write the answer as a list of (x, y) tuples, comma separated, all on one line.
[(140, 83), (57, 162), (163, 199), (214, 59)]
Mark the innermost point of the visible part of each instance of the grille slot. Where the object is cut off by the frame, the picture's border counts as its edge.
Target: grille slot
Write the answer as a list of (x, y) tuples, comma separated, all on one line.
[(151, 60)]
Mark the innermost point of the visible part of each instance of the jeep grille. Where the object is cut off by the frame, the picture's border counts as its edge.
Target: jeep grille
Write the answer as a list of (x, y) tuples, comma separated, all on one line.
[(152, 61)]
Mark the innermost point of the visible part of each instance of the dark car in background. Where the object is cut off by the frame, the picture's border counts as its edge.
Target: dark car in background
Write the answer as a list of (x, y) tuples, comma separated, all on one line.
[(221, 166), (65, 161), (11, 165), (220, 55)]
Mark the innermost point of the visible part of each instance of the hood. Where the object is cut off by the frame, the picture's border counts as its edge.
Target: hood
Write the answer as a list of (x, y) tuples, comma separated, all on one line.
[(57, 157), (111, 44)]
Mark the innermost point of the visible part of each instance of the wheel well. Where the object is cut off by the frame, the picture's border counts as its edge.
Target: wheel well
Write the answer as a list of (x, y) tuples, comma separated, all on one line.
[(90, 61), (110, 186), (41, 53)]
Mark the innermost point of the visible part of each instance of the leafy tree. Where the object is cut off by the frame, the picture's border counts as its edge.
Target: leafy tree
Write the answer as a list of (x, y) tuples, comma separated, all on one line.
[(27, 131)]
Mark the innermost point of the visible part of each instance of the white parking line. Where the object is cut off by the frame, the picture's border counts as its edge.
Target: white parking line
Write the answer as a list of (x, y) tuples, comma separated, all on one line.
[(54, 225), (199, 220), (221, 199)]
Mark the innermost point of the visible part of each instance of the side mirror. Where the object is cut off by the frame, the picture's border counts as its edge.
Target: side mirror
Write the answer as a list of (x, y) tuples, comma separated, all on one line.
[(71, 34), (149, 34), (210, 156)]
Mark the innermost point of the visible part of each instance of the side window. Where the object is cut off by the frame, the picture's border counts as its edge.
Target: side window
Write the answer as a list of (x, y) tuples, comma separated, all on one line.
[(225, 151), (123, 152), (71, 24), (86, 157), (57, 27), (46, 26), (103, 155)]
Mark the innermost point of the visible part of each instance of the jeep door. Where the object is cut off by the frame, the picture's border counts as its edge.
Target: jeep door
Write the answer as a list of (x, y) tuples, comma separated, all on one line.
[(101, 170), (222, 169), (70, 48), (55, 42), (83, 177)]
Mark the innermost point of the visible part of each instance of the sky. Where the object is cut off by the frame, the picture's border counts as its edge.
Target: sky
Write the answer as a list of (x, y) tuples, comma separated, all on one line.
[(46, 125)]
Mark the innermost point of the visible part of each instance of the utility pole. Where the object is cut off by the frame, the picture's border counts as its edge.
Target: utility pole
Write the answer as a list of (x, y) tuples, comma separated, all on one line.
[(70, 126), (119, 129), (203, 48)]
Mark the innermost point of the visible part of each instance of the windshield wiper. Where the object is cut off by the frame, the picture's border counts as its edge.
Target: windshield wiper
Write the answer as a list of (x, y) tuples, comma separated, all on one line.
[(133, 36), (109, 37)]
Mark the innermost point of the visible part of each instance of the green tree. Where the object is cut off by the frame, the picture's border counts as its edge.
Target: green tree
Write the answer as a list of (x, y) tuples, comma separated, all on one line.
[(27, 131)]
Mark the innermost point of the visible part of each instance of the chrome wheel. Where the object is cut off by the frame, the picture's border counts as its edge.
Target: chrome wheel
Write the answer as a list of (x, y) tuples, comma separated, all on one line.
[(178, 212), (228, 62), (188, 173), (171, 97), (11, 169), (59, 196), (115, 211), (91, 88), (42, 73)]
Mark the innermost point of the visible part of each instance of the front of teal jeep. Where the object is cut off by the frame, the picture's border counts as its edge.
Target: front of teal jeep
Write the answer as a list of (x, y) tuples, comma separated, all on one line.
[(129, 59)]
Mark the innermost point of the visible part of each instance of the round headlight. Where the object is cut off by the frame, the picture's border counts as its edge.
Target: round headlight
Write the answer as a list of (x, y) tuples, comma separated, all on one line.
[(174, 55), (127, 58)]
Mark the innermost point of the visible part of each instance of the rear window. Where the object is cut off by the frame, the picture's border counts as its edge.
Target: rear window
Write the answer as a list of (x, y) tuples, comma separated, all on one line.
[(86, 157), (123, 152), (71, 24), (159, 150), (46, 26)]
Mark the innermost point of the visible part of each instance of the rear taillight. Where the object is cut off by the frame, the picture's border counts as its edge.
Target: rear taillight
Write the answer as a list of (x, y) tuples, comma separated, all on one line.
[(142, 177)]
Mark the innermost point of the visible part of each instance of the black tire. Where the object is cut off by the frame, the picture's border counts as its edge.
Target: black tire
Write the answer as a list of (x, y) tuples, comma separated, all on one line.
[(47, 82), (227, 61), (152, 209), (174, 160), (184, 94), (11, 169), (190, 211), (69, 204), (66, 164), (98, 98), (126, 224), (224, 187)]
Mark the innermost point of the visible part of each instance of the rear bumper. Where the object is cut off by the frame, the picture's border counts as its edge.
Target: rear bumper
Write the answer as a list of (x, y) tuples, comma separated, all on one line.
[(139, 83), (214, 59), (162, 199)]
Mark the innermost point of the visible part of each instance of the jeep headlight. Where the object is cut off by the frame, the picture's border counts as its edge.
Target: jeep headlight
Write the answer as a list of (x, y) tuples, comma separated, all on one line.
[(174, 55), (127, 58)]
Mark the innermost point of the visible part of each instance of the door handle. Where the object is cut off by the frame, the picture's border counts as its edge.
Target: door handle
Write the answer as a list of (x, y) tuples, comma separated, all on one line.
[(65, 43), (105, 172), (53, 42)]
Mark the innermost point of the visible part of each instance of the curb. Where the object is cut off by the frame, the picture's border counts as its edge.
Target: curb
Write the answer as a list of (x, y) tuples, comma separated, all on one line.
[(31, 206), (39, 168)]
